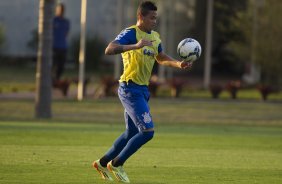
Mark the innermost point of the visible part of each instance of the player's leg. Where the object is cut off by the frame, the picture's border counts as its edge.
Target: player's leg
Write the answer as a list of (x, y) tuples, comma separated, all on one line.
[(136, 105), (119, 144), (121, 141), (116, 165), (103, 171), (62, 57), (55, 64), (132, 146), (135, 100)]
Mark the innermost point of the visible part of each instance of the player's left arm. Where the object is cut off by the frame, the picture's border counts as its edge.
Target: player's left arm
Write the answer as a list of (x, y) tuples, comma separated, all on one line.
[(164, 59)]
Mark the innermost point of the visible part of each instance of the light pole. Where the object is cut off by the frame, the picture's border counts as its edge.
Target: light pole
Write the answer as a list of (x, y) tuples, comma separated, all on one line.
[(208, 48), (80, 90), (163, 32)]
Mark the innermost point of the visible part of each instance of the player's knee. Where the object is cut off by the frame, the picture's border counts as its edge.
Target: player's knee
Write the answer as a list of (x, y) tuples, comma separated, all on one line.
[(148, 135), (128, 134)]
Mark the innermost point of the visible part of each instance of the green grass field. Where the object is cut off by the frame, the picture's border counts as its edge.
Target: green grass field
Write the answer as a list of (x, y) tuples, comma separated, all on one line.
[(195, 142)]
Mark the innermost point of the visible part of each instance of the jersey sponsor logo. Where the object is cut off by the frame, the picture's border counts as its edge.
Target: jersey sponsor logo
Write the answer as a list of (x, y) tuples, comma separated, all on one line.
[(148, 52)]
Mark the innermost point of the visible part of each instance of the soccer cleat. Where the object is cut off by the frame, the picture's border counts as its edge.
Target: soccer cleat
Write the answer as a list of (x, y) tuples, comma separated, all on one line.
[(102, 170), (118, 172)]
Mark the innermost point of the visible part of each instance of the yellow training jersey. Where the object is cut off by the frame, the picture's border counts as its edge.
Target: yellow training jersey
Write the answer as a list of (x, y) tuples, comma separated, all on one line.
[(138, 64)]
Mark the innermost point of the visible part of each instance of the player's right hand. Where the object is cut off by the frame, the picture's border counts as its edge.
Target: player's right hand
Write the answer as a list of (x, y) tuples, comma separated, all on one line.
[(186, 65), (142, 43)]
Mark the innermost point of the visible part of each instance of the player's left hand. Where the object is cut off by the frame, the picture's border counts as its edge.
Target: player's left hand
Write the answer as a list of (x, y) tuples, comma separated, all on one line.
[(186, 65)]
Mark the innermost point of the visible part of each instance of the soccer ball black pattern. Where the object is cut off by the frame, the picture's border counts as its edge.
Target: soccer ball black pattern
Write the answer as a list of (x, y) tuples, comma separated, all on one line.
[(189, 49)]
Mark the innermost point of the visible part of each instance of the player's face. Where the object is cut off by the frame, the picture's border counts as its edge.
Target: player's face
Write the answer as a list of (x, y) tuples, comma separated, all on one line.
[(59, 11), (150, 20)]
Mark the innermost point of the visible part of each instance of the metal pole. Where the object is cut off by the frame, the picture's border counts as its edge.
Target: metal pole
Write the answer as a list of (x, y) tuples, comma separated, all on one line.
[(163, 31), (255, 72), (207, 71), (171, 30), (82, 50)]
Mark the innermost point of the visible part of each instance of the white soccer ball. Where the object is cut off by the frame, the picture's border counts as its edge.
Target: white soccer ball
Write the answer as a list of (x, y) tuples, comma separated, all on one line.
[(189, 49)]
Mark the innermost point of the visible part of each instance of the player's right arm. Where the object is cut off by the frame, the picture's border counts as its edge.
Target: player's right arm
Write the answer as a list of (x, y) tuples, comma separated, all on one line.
[(115, 47), (126, 41)]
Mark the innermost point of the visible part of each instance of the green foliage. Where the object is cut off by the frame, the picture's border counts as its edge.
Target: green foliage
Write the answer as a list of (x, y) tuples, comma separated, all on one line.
[(95, 47), (269, 47), (241, 47), (224, 32), (261, 37), (33, 42)]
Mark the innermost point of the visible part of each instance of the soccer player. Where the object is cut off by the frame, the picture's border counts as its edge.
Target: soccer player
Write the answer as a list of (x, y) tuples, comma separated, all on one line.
[(139, 46)]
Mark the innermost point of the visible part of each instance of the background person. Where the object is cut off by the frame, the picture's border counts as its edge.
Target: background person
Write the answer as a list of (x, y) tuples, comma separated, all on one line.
[(61, 27)]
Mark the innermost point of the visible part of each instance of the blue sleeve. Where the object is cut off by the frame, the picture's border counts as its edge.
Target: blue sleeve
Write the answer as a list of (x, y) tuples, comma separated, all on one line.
[(160, 49), (127, 37)]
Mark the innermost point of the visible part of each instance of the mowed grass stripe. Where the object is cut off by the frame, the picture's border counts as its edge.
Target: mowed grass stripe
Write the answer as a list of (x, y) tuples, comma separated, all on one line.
[(164, 111), (60, 153)]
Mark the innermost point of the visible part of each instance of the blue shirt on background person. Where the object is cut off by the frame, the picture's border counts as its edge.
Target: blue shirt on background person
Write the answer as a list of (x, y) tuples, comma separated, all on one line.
[(61, 28)]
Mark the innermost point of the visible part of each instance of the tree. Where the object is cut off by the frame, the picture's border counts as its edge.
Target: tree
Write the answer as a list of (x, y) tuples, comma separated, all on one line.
[(225, 60), (95, 48), (266, 45), (44, 60), (268, 48)]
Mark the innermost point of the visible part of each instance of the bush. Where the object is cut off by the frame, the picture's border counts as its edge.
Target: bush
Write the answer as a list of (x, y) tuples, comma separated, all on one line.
[(154, 85), (232, 87), (215, 90), (176, 85), (107, 87), (266, 90), (95, 48)]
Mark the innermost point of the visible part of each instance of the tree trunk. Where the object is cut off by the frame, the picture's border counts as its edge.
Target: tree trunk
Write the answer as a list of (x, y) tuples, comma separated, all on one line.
[(44, 60)]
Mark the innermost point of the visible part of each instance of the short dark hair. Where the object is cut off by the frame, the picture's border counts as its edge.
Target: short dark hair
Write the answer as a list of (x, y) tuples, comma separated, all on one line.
[(146, 6), (62, 5)]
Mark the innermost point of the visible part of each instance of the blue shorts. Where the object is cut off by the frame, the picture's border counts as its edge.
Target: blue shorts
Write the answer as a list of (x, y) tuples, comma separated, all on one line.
[(134, 99)]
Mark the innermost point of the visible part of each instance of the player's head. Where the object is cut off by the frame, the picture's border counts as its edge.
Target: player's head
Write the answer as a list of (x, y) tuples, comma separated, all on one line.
[(147, 15), (60, 10)]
